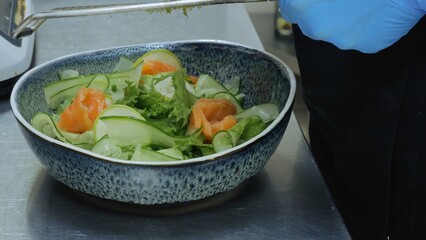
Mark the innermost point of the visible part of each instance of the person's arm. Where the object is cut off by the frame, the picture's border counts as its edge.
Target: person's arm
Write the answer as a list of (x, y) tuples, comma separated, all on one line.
[(365, 25)]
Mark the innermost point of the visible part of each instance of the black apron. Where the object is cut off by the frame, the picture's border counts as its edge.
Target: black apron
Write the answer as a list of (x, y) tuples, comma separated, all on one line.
[(368, 132)]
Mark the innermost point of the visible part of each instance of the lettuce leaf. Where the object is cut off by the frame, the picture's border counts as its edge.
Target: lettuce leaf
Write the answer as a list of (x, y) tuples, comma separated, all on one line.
[(170, 114)]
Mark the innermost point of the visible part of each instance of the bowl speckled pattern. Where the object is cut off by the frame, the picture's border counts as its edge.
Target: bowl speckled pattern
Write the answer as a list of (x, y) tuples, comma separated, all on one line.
[(265, 78)]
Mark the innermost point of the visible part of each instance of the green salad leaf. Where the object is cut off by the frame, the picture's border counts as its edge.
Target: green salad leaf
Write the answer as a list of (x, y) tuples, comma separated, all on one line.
[(170, 114)]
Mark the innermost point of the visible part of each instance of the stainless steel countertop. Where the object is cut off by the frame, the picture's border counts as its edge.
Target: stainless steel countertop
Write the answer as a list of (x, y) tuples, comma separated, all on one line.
[(287, 200)]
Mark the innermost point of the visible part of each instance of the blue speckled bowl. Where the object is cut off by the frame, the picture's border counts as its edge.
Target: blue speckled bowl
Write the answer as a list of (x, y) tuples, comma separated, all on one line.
[(265, 78)]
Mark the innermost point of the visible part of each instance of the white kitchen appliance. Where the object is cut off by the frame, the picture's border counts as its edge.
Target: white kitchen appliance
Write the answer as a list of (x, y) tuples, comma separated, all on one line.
[(15, 54)]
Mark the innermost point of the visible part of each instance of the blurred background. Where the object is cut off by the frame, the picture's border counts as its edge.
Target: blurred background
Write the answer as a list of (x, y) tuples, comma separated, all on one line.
[(276, 36)]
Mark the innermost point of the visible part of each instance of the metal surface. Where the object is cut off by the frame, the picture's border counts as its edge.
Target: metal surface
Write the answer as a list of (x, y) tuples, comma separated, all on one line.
[(287, 200), (30, 24), (6, 16)]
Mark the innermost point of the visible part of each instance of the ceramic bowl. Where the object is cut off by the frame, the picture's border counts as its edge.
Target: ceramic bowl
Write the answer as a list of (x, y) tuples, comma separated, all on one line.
[(265, 78)]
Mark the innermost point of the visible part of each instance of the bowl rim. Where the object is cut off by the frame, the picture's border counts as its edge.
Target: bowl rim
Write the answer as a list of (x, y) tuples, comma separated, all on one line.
[(198, 160)]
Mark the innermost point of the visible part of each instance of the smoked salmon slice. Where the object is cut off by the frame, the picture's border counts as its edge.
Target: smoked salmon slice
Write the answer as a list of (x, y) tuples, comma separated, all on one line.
[(212, 115), (152, 67), (81, 114)]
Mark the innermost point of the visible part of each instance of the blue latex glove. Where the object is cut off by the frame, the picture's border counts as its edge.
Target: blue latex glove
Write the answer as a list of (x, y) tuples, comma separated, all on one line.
[(365, 25)]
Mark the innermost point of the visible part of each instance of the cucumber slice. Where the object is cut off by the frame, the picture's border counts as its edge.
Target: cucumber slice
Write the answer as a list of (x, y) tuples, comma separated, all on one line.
[(222, 141), (56, 92), (143, 154), (100, 82), (239, 133), (86, 146), (161, 55), (68, 73), (230, 97), (233, 85), (208, 86), (54, 101), (267, 112), (78, 138), (46, 125), (118, 81), (123, 64), (120, 110), (172, 152), (99, 128), (55, 87), (112, 148), (133, 75), (131, 131), (43, 123), (106, 147)]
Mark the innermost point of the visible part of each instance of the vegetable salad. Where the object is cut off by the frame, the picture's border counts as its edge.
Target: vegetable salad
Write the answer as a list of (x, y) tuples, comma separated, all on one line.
[(150, 109)]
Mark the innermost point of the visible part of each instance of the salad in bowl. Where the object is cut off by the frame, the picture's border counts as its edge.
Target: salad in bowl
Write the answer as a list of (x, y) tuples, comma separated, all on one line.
[(158, 123), (150, 109)]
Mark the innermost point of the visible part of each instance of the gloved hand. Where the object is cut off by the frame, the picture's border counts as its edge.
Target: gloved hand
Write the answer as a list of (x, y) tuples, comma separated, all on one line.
[(365, 25)]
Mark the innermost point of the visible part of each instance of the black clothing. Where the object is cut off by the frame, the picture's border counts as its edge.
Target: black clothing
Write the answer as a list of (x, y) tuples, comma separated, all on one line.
[(368, 131)]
